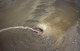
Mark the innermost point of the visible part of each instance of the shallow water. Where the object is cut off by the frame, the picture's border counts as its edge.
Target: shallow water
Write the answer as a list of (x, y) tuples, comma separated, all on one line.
[(33, 12)]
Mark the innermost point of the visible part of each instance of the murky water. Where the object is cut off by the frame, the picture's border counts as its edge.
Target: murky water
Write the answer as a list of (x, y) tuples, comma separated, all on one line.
[(57, 18)]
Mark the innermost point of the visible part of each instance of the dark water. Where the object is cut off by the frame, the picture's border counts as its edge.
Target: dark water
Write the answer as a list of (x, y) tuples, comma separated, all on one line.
[(29, 13)]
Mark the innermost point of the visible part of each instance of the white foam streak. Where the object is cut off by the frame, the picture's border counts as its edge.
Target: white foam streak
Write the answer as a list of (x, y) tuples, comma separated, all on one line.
[(17, 27)]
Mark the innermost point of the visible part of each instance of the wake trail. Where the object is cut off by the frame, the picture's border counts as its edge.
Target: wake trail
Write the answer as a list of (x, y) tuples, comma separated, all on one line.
[(18, 27)]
